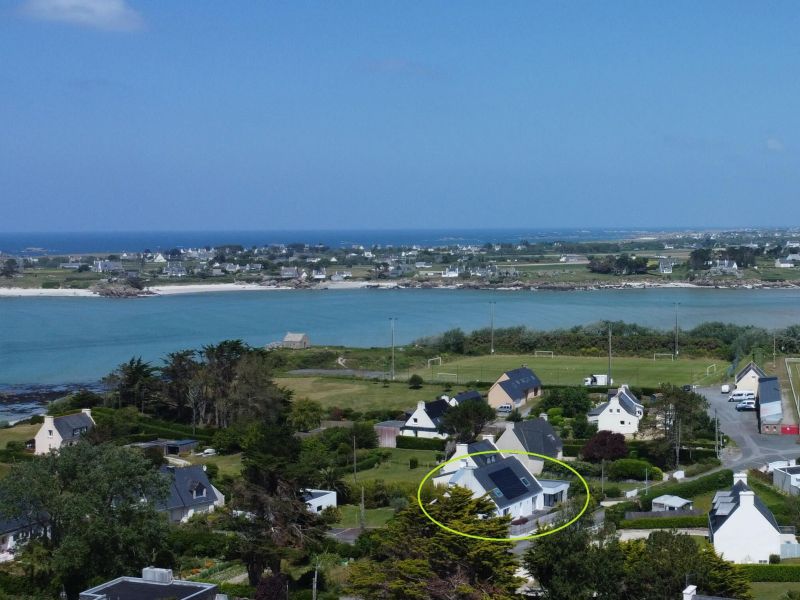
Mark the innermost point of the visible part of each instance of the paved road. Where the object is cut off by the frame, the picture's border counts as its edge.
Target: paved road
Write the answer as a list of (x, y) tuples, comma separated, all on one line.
[(753, 449)]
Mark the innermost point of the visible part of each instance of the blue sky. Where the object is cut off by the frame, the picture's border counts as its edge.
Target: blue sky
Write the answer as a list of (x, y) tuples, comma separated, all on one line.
[(123, 114)]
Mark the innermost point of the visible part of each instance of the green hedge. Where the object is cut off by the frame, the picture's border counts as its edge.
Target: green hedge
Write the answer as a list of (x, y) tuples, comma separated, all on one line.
[(414, 443), (710, 483), (771, 572), (665, 522), (572, 449), (361, 465)]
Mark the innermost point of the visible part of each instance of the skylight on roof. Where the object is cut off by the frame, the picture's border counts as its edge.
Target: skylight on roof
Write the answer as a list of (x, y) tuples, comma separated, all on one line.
[(525, 481), (497, 493)]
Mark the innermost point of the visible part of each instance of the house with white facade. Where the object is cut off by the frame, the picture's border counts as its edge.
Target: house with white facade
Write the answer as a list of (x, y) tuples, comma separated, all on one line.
[(319, 500), (787, 479), (620, 414), (425, 420), (747, 378), (533, 435), (57, 432), (742, 528), (190, 493), (153, 584), (13, 534), (515, 387), (295, 341), (503, 478)]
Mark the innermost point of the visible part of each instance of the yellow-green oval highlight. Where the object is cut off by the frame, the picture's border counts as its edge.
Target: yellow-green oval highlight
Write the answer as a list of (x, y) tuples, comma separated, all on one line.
[(508, 539)]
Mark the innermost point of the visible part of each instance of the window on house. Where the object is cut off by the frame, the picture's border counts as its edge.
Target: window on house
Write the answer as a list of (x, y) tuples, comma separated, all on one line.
[(497, 493), (505, 511), (622, 422), (414, 420), (199, 492), (49, 433), (319, 508), (525, 481)]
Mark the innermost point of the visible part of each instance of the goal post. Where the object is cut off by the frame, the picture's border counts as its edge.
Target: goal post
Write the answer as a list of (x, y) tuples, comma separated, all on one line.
[(447, 376), (436, 360), (547, 353), (663, 355), (711, 369)]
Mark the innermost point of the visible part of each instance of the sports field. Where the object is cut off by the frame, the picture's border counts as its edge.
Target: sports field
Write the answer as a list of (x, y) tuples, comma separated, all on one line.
[(570, 370)]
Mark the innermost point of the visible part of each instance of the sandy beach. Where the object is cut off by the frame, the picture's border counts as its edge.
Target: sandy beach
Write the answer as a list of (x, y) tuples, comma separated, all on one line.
[(38, 292)]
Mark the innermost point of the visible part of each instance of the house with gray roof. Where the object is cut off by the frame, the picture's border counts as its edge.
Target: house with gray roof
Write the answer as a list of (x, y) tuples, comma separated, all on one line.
[(154, 584), (13, 533), (514, 388), (190, 493), (57, 432), (621, 413), (747, 378), (426, 419), (770, 405), (742, 528), (532, 435)]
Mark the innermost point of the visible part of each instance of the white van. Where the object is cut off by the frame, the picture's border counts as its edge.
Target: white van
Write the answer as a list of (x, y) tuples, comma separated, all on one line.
[(725, 389), (504, 408), (739, 395)]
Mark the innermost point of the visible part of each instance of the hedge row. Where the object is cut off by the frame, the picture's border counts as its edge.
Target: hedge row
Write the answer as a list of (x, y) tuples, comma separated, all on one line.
[(688, 489), (414, 443), (664, 523), (361, 465), (771, 572), (572, 449), (174, 432)]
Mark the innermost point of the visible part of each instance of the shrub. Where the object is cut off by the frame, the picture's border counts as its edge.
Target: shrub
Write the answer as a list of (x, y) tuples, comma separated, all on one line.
[(415, 382), (778, 573), (605, 445), (665, 522), (227, 441), (632, 468), (36, 420), (413, 463), (690, 489), (415, 443), (774, 559), (701, 467), (15, 446), (612, 491)]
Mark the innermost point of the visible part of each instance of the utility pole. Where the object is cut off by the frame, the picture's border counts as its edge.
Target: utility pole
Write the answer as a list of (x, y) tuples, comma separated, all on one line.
[(316, 572), (716, 434), (491, 307), (676, 328), (602, 475), (645, 480), (362, 516), (354, 458), (392, 320)]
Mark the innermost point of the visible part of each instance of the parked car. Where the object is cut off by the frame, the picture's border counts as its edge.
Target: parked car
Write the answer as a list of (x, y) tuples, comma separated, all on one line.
[(746, 405), (687, 388), (504, 408), (725, 389), (739, 395)]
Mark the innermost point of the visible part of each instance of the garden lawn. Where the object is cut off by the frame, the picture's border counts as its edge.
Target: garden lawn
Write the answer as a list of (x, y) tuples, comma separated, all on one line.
[(359, 394), (763, 590), (396, 468), (229, 464), (374, 517), (570, 370), (17, 433)]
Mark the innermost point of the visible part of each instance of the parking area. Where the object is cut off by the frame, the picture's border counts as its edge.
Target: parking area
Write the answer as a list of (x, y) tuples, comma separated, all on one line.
[(753, 448)]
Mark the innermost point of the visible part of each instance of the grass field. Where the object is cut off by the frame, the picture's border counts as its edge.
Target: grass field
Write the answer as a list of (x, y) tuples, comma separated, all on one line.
[(570, 370), (791, 381), (763, 590), (360, 394), (18, 433), (396, 469), (230, 464), (373, 517)]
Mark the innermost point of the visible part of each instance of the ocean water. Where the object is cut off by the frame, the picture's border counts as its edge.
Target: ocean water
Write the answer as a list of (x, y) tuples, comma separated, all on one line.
[(75, 340), (135, 241)]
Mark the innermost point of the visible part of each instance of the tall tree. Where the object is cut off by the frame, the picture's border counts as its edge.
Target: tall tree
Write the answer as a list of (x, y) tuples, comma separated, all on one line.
[(89, 500), (305, 414), (135, 383), (605, 445), (466, 420)]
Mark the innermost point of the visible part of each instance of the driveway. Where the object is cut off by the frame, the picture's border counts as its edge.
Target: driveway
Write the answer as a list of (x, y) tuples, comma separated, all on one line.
[(753, 449)]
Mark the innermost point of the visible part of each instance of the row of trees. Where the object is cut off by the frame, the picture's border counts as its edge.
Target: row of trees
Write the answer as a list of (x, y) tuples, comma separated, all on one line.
[(723, 340), (623, 264)]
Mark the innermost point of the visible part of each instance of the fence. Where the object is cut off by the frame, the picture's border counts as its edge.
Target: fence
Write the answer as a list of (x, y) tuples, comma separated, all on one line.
[(659, 514), (535, 522)]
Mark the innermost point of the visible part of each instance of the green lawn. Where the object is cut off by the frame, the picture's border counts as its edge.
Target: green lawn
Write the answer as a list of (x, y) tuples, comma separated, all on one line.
[(230, 464), (373, 517), (18, 433), (772, 591), (703, 501), (361, 395), (570, 370), (396, 469)]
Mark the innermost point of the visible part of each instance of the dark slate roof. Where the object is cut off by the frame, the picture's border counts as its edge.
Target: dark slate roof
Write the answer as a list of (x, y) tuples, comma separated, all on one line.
[(519, 382), (506, 475), (749, 366), (769, 390), (483, 446), (130, 588), (721, 512), (70, 426), (183, 480), (436, 409), (10, 525), (597, 409), (538, 435), (468, 395), (628, 401)]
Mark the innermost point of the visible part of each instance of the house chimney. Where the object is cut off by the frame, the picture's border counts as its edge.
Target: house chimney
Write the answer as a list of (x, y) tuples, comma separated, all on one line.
[(87, 412), (740, 476), (157, 575), (488, 437), (747, 498), (690, 592), (48, 421), (421, 405), (461, 449), (543, 416)]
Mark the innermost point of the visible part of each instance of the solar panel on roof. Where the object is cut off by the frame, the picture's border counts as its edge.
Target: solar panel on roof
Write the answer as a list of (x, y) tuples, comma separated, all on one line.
[(508, 482)]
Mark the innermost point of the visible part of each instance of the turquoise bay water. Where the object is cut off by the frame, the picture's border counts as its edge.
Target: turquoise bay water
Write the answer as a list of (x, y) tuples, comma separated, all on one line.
[(63, 340)]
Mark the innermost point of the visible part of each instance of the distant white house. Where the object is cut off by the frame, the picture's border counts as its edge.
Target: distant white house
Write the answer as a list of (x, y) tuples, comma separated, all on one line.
[(620, 414), (57, 432), (747, 378), (742, 528), (13, 534), (295, 341), (319, 500), (784, 263), (787, 478)]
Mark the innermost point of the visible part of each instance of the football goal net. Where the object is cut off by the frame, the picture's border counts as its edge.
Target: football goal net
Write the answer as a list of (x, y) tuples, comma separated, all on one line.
[(437, 360), (447, 376), (663, 355), (711, 369), (547, 353)]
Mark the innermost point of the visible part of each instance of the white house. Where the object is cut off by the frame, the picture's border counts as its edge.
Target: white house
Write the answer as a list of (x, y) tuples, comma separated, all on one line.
[(295, 341), (14, 533), (533, 435), (425, 420), (747, 378), (57, 432), (319, 500), (154, 583), (190, 493), (742, 529), (514, 387), (504, 479), (787, 478), (667, 503), (620, 414)]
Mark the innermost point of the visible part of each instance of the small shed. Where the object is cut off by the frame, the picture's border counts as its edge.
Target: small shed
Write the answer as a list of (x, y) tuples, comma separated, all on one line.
[(668, 503), (387, 432), (295, 341)]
